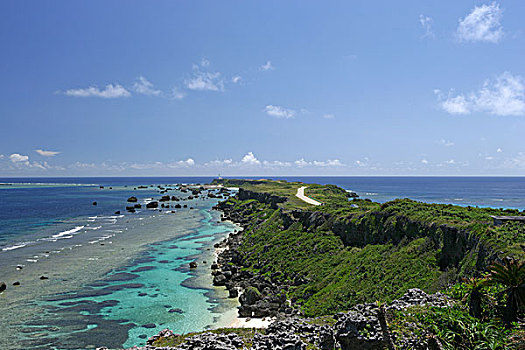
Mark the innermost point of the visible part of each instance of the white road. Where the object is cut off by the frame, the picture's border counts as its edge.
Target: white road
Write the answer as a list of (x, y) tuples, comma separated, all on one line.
[(300, 195)]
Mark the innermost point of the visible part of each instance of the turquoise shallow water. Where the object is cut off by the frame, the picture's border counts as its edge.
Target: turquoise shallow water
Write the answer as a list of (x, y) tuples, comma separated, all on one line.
[(116, 280), (155, 294)]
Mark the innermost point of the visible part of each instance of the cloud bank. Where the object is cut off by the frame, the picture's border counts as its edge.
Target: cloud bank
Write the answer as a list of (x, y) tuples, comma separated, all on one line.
[(503, 96), (110, 91)]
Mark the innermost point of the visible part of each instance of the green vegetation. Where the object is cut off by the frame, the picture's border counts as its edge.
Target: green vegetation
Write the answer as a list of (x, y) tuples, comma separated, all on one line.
[(453, 326), (350, 251), (337, 276), (511, 275)]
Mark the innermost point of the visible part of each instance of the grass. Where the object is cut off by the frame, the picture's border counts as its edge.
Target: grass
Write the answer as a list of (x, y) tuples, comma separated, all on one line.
[(367, 251)]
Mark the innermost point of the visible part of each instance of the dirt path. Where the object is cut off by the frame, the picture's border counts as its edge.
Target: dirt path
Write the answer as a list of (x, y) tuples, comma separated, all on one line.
[(300, 195)]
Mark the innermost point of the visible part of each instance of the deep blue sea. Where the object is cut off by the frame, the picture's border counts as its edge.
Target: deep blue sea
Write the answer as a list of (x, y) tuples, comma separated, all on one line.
[(116, 278)]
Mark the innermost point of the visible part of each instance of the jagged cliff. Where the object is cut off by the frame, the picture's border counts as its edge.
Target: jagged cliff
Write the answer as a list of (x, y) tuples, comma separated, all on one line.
[(456, 247), (329, 259)]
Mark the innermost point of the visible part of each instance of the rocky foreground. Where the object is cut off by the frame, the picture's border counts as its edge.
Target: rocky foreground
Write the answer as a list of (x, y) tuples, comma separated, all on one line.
[(363, 327)]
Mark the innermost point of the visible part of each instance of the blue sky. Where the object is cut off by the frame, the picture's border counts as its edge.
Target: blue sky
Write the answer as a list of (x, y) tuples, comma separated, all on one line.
[(262, 88)]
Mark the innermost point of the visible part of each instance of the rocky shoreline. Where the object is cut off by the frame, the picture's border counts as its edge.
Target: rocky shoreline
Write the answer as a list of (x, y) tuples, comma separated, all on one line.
[(364, 326)]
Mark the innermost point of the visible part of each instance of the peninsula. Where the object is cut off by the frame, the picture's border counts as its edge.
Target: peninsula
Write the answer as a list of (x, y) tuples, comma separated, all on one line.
[(338, 272)]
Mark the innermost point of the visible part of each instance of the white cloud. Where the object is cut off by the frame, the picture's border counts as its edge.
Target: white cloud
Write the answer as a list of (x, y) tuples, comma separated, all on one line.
[(276, 164), (46, 153), (1, 156), (517, 162), (182, 163), (79, 165), (144, 87), (489, 158), (205, 62), (328, 116), (426, 23), (301, 162), (224, 162), (499, 150), (453, 104), (504, 96), (328, 163), (236, 79), (250, 159), (18, 158), (111, 91), (205, 81), (22, 161), (190, 162), (446, 143), (481, 24), (450, 161), (424, 161), (267, 66), (177, 94), (280, 112)]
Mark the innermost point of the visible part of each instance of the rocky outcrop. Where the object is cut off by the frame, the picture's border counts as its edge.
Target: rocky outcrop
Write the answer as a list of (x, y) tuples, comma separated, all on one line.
[(359, 328), (132, 199), (262, 197), (259, 296)]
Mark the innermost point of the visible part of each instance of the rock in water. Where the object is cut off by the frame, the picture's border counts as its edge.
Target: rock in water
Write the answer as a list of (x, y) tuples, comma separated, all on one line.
[(132, 199), (3, 287), (152, 205), (94, 203), (193, 265)]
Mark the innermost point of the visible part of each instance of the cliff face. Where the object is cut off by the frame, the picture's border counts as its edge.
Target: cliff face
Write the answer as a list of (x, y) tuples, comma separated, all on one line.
[(261, 197), (456, 248)]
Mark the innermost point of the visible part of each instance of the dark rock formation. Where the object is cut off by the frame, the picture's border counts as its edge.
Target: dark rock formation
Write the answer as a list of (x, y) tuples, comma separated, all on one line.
[(152, 205), (176, 310), (262, 197), (3, 286), (132, 199)]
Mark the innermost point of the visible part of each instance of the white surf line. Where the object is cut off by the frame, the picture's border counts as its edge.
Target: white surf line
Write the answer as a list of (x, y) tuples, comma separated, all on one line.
[(300, 195)]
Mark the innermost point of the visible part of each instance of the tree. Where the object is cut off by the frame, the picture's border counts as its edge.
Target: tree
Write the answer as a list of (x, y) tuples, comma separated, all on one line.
[(511, 274), (475, 295)]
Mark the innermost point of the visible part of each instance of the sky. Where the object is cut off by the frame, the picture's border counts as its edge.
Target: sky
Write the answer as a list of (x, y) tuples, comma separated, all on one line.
[(176, 88)]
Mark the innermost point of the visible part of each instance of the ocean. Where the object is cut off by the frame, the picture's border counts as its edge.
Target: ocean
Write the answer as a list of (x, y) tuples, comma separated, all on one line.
[(90, 276)]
